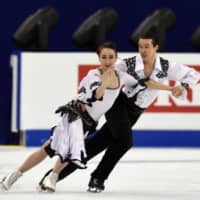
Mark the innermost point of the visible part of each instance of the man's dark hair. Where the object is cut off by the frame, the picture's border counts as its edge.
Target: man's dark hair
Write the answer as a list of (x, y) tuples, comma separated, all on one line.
[(150, 35), (109, 45)]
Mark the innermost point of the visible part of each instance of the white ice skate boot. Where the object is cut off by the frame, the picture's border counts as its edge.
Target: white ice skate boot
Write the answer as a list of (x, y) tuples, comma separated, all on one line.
[(9, 180), (49, 182), (79, 164)]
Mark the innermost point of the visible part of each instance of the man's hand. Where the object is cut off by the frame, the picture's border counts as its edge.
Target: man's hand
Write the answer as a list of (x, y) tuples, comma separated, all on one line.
[(177, 90)]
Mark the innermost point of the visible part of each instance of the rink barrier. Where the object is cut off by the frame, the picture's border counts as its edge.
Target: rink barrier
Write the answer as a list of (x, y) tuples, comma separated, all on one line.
[(141, 138), (43, 81)]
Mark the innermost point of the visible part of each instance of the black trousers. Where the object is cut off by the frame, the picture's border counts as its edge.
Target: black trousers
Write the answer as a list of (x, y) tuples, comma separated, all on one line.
[(115, 136)]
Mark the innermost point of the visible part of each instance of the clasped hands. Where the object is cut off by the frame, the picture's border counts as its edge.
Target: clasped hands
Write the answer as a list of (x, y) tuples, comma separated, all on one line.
[(177, 91)]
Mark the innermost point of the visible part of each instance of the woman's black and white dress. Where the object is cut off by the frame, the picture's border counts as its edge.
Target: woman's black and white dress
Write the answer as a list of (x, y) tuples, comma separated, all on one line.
[(68, 138)]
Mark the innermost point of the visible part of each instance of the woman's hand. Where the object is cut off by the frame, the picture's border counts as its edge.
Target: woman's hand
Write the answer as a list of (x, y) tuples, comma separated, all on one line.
[(108, 78)]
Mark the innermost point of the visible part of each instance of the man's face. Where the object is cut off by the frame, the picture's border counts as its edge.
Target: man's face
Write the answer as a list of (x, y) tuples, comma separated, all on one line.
[(146, 49)]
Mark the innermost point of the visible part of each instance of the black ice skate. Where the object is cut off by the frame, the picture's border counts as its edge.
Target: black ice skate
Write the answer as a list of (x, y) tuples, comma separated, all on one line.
[(96, 185)]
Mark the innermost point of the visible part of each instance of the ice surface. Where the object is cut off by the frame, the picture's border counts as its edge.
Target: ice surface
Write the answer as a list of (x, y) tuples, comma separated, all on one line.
[(143, 174)]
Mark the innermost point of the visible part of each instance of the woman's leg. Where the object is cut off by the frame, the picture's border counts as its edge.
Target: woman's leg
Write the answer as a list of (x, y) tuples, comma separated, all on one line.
[(34, 159)]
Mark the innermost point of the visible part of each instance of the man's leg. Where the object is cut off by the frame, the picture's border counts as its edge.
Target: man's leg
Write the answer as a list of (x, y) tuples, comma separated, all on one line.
[(111, 157), (120, 127), (115, 151)]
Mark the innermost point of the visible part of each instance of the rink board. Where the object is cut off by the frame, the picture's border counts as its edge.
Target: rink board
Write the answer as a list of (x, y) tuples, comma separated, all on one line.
[(43, 81)]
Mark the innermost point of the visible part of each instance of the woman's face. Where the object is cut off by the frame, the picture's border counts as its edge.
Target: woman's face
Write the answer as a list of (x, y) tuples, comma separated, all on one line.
[(107, 58)]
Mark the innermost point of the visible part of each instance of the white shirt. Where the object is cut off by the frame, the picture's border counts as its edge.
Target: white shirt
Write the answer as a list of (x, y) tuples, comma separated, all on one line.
[(96, 108), (146, 96)]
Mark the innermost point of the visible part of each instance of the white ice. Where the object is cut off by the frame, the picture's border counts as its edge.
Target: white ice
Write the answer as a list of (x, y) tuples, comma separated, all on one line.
[(143, 173)]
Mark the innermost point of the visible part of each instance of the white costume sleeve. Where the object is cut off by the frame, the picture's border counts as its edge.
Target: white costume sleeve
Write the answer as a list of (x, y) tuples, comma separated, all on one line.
[(186, 75), (127, 79), (121, 65), (88, 86)]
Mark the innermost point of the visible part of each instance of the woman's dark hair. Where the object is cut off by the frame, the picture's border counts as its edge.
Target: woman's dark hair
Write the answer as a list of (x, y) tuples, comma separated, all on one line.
[(109, 45)]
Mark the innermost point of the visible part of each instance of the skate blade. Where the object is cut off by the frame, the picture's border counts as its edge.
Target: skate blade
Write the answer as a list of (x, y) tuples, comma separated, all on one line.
[(78, 164), (2, 186), (43, 189), (48, 189), (94, 190), (40, 188)]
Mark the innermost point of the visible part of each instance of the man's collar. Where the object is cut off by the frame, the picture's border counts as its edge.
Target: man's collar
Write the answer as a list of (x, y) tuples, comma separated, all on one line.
[(140, 64), (157, 64)]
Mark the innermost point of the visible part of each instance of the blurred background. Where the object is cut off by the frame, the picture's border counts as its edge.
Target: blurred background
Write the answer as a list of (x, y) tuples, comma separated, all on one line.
[(71, 14)]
